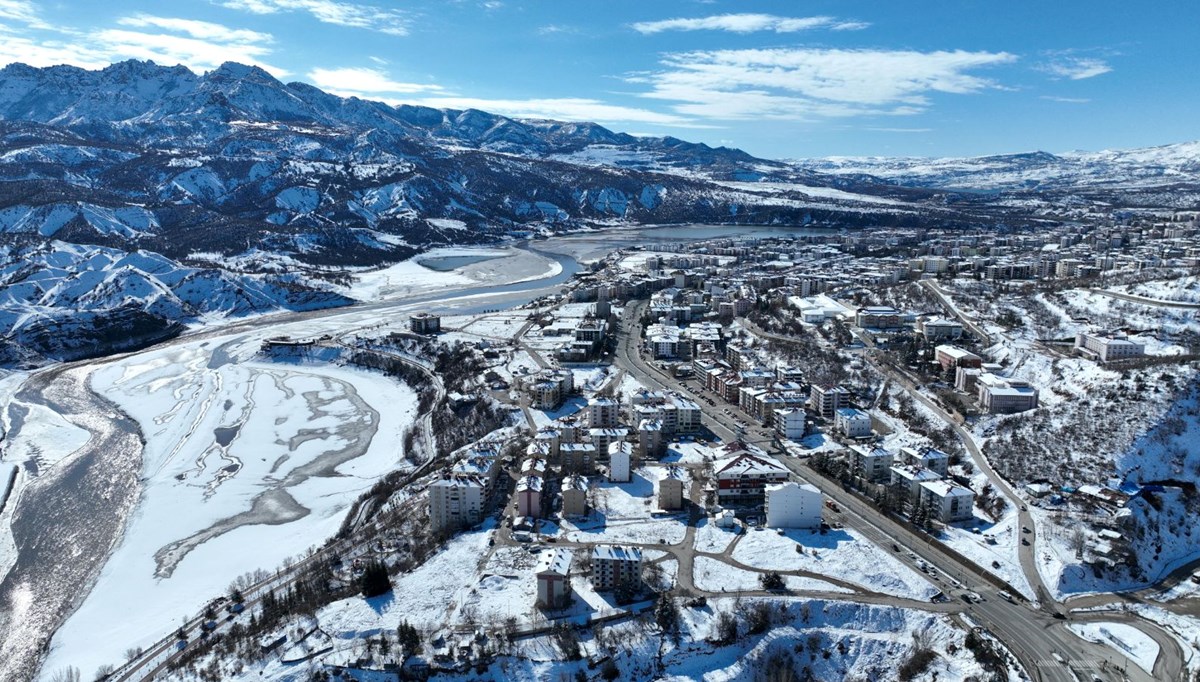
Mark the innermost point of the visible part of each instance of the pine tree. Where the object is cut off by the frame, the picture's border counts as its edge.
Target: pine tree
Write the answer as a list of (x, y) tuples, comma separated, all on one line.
[(375, 580)]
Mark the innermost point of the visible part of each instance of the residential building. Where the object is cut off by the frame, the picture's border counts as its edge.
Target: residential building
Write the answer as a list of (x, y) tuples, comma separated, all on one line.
[(548, 388), (950, 357), (604, 437), (743, 473), (948, 502), (670, 488), (616, 566), (826, 400), (871, 463), (907, 480), (940, 329), (620, 462), (554, 579), (934, 460), (425, 323), (1107, 347), (852, 423), (602, 413), (574, 496), (578, 458), (529, 496), (651, 444), (793, 505), (790, 424), (456, 502)]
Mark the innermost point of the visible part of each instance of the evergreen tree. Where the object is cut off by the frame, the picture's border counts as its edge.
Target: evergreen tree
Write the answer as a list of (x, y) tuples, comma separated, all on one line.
[(375, 580)]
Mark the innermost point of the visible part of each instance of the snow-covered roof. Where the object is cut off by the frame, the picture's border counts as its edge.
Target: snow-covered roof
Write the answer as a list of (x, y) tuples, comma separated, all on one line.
[(943, 488), (556, 561), (533, 483), (616, 553), (746, 464)]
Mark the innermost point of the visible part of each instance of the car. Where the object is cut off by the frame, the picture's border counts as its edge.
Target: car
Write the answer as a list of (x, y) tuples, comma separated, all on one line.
[(1007, 597), (895, 547), (995, 564), (1025, 541), (1025, 529)]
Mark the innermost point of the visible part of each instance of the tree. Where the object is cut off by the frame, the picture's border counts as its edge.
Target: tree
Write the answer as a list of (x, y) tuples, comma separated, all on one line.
[(409, 638), (771, 580), (68, 674), (374, 580), (666, 615)]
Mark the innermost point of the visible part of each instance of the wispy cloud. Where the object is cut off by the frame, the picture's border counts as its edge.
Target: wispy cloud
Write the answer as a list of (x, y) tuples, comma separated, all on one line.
[(202, 30), (1068, 100), (199, 45), (876, 129), (365, 82), (22, 11), (748, 23), (562, 109), (1075, 68), (557, 30), (354, 15), (805, 84)]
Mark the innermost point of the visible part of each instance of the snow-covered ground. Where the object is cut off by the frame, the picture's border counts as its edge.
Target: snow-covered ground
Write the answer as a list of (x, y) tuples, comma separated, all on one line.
[(410, 278), (714, 575), (1006, 535), (245, 464), (839, 554), (712, 538), (623, 514), (1126, 639)]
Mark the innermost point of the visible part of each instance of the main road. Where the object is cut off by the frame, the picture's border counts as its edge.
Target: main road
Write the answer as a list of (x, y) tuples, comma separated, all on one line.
[(1046, 648)]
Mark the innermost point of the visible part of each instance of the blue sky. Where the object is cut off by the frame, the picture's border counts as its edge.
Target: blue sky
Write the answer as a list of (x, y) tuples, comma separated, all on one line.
[(778, 79)]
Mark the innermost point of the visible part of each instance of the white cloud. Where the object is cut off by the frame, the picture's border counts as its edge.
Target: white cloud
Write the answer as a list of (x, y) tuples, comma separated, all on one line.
[(1076, 68), (22, 11), (364, 82), (202, 30), (199, 45), (804, 84), (562, 109), (748, 23), (1068, 100), (353, 15), (876, 129)]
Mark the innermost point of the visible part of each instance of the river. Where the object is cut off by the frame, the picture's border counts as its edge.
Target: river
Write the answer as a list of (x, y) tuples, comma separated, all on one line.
[(67, 519)]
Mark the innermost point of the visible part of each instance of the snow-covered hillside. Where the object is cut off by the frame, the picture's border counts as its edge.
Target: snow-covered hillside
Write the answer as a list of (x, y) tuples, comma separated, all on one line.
[(1134, 168), (62, 301)]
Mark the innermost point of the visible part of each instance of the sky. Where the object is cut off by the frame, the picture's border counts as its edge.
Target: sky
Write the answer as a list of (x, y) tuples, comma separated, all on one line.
[(782, 79)]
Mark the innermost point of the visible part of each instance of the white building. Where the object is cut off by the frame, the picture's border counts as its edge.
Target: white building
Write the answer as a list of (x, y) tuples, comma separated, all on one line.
[(947, 501), (1005, 396), (790, 424), (554, 579), (940, 329), (1107, 348), (455, 502), (934, 460), (871, 463), (615, 566), (852, 423), (620, 460), (602, 413), (793, 505), (907, 480), (827, 400)]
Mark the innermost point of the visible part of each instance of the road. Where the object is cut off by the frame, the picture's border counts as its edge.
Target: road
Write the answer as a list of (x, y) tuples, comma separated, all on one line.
[(1145, 300), (1033, 636), (966, 321)]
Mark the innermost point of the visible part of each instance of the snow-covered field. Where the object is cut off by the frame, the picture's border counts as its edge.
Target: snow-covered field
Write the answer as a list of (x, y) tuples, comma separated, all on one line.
[(245, 464), (1005, 552), (1126, 639), (622, 514), (714, 575), (839, 554)]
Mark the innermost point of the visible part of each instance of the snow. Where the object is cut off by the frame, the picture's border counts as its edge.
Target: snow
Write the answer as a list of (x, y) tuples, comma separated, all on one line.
[(714, 575), (975, 547), (622, 514), (316, 435), (1126, 639), (839, 554), (712, 538)]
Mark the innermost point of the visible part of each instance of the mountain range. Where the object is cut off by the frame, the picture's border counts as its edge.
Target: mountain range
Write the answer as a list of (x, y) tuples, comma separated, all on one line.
[(168, 190)]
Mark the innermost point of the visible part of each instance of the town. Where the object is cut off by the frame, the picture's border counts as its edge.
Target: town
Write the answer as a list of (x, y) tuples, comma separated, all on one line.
[(823, 417)]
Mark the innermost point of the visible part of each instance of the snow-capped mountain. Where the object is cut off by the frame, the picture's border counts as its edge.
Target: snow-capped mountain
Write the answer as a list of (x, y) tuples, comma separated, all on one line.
[(1135, 171)]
